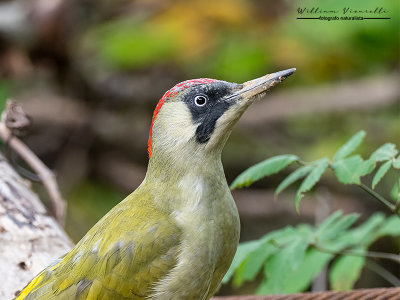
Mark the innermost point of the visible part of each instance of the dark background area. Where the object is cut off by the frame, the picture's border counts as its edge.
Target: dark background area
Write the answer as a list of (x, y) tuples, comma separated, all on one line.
[(90, 73)]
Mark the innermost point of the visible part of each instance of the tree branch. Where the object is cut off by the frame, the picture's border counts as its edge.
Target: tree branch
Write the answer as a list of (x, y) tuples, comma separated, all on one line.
[(58, 205)]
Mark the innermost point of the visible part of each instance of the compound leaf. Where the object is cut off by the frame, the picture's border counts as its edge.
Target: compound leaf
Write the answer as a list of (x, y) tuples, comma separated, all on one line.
[(380, 173), (349, 146), (282, 263), (265, 168), (300, 279), (253, 263), (242, 251), (296, 175), (334, 226), (348, 170), (384, 152), (312, 178)]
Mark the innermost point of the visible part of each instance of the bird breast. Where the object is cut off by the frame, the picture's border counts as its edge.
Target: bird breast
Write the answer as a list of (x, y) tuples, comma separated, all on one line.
[(209, 219)]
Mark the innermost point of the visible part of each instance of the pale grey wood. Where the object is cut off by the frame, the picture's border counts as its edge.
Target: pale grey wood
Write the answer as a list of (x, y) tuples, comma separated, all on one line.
[(30, 239)]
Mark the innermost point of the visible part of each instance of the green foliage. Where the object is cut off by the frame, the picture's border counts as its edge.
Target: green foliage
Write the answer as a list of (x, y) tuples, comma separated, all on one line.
[(386, 152), (394, 193), (312, 178), (129, 44), (267, 167), (349, 147), (335, 224), (380, 173), (290, 258), (235, 41), (396, 163), (343, 39), (248, 53), (348, 168), (296, 175), (345, 271), (311, 265)]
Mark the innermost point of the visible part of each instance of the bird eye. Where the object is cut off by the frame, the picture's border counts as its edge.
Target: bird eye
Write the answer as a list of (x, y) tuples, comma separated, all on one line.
[(200, 100)]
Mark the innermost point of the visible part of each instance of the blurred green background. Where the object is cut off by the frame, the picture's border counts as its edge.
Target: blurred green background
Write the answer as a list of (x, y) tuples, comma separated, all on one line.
[(90, 73)]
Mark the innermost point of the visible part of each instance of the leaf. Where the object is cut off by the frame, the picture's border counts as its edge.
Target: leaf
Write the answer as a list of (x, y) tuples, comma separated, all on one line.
[(328, 222), (301, 278), (282, 263), (366, 167), (394, 193), (349, 146), (281, 236), (296, 175), (253, 263), (348, 170), (265, 168), (396, 163), (242, 251), (311, 179), (390, 227), (364, 234), (385, 152), (345, 271), (381, 172), (334, 226)]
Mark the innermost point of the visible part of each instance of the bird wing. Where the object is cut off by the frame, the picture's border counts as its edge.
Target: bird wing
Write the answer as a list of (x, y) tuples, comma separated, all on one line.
[(122, 257)]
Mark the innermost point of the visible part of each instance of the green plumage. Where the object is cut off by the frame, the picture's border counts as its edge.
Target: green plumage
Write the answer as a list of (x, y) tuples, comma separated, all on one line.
[(137, 244), (176, 235)]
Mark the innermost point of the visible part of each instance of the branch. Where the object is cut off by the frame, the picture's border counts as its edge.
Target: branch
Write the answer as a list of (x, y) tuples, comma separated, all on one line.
[(381, 199), (58, 205), (370, 254), (382, 272)]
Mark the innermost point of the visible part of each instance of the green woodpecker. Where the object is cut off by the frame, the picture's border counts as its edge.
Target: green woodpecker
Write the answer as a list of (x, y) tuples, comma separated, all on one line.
[(175, 236)]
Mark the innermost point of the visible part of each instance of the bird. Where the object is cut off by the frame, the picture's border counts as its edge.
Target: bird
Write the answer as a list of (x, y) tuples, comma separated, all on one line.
[(175, 236)]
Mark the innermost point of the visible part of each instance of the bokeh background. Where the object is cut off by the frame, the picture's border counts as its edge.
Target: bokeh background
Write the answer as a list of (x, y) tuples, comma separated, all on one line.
[(90, 73)]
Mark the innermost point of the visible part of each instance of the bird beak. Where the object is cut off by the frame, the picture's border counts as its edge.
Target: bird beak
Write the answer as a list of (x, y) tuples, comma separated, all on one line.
[(239, 100), (256, 88)]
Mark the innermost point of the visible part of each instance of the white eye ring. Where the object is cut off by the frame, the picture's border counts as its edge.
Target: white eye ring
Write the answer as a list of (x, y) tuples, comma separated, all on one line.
[(200, 100)]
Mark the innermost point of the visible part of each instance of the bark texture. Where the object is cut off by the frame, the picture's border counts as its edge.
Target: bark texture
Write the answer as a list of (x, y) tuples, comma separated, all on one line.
[(30, 239)]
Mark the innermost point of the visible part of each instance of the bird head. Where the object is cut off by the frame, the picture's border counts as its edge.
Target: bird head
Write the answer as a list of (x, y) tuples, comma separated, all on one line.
[(193, 120)]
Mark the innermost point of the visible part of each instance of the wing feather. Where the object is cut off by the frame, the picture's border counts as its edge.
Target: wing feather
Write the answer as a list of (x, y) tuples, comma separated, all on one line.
[(122, 257)]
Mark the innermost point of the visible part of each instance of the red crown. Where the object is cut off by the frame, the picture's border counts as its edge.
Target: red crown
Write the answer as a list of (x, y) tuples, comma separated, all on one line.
[(171, 93)]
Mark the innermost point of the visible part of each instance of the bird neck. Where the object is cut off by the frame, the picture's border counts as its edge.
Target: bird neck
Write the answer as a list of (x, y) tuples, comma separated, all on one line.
[(181, 175), (165, 166)]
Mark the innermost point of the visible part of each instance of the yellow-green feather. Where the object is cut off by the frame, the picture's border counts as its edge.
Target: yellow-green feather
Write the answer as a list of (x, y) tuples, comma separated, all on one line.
[(122, 256)]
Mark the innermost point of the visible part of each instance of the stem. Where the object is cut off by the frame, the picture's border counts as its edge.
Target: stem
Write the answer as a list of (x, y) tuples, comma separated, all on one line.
[(370, 254), (302, 162), (385, 274), (381, 199), (397, 207)]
